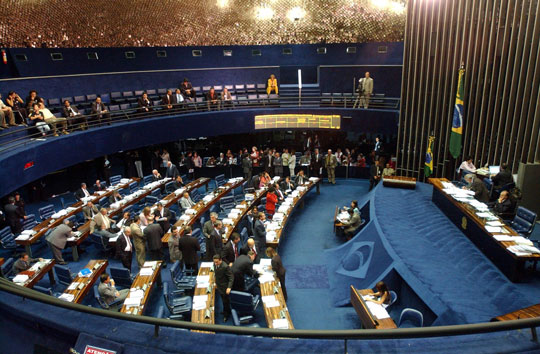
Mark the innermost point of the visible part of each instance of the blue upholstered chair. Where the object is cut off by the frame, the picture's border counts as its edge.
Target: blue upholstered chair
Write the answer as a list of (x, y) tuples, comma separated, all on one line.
[(122, 277), (524, 221), (227, 203), (410, 318), (243, 321), (244, 303), (178, 304), (181, 280), (46, 211), (101, 302), (7, 239), (6, 270), (114, 180), (63, 274), (393, 298)]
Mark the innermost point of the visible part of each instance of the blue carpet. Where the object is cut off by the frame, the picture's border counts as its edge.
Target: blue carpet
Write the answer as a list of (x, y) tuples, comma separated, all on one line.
[(307, 277)]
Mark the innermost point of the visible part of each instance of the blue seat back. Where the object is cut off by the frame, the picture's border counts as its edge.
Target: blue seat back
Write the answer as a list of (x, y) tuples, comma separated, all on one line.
[(156, 193), (196, 196), (196, 233), (104, 202), (46, 211), (46, 291), (220, 180), (133, 186), (524, 221), (176, 272), (98, 298), (114, 180), (98, 242), (227, 203), (393, 297), (411, 318), (151, 200), (244, 236), (242, 302), (29, 222), (7, 267), (121, 276), (63, 274), (169, 187), (7, 239), (147, 179)]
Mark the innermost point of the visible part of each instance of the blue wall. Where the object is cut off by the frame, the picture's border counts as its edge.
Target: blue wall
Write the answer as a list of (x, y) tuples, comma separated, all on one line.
[(58, 153), (386, 79)]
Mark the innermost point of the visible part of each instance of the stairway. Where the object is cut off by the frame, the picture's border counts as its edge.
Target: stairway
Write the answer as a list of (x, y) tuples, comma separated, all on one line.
[(289, 93)]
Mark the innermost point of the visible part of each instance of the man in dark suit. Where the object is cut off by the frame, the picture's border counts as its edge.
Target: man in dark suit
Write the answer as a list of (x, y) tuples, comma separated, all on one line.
[(187, 90), (172, 170), (316, 163), (259, 231), (287, 184), (74, 117), (268, 162), (212, 100), (98, 186), (375, 172), (241, 267), (82, 192), (224, 279), (89, 211), (178, 100), (153, 234), (178, 182), (100, 112), (156, 176), (251, 218), (214, 243), (253, 247), (378, 146), (167, 100), (232, 251), (163, 217), (57, 240), (503, 205), (189, 246), (144, 104), (503, 177), (300, 178), (24, 263), (14, 216), (247, 167), (478, 187), (124, 248)]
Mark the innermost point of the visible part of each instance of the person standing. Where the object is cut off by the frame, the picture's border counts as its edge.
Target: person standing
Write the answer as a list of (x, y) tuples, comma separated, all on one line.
[(277, 266), (189, 246), (331, 162), (292, 163), (153, 234), (247, 167), (14, 216), (124, 248), (278, 165), (138, 240), (367, 90), (174, 250), (57, 240), (374, 174), (224, 279), (241, 267)]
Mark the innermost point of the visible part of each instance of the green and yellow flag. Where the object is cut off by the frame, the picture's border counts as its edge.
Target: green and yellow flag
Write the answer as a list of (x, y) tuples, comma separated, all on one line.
[(457, 121), (428, 166)]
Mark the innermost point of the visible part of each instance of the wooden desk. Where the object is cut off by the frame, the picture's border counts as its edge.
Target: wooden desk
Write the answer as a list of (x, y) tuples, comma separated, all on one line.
[(274, 313), (46, 268), (363, 312), (297, 200), (464, 217), (144, 283), (202, 207), (527, 312), (76, 208), (399, 182), (88, 282), (1, 262), (199, 316)]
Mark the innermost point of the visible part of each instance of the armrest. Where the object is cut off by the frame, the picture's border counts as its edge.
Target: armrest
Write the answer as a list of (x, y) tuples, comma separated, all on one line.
[(176, 317), (246, 319)]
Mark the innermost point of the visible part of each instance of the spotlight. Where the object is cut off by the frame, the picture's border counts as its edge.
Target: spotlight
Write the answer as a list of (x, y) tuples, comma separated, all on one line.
[(264, 13), (397, 7), (296, 14), (380, 4)]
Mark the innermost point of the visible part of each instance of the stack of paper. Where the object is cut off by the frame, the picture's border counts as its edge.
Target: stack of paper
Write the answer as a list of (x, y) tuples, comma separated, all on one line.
[(494, 223), (270, 301), (146, 271), (265, 262), (190, 211), (241, 206), (228, 221), (271, 226), (185, 217), (314, 179), (179, 191), (278, 217), (270, 236), (124, 180), (20, 278), (301, 188), (73, 285), (503, 238), (249, 196), (22, 237), (295, 193), (280, 323), (207, 264), (203, 279), (67, 297), (494, 229), (377, 310), (199, 302), (132, 301), (266, 278), (520, 240)]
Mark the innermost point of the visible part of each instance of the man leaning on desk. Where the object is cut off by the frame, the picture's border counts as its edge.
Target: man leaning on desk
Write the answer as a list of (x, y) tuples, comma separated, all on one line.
[(24, 263)]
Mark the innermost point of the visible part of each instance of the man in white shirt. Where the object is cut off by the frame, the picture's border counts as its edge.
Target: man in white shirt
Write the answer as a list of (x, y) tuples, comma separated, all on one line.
[(82, 192), (124, 248), (6, 112), (186, 202), (52, 120), (467, 166)]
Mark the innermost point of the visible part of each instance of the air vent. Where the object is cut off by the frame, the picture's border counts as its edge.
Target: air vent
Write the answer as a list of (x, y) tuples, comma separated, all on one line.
[(196, 53), (92, 56), (129, 55), (161, 53), (351, 50), (256, 52), (321, 50), (57, 56)]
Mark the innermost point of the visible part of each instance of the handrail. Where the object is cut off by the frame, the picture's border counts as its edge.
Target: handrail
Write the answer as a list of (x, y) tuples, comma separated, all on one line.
[(422, 332), (119, 116)]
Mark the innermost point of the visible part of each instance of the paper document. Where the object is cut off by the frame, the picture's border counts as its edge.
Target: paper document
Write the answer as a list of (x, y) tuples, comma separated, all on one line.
[(377, 310), (132, 302), (203, 279), (20, 278), (203, 285), (265, 261), (280, 323), (502, 238), (146, 271), (73, 285), (494, 229), (200, 298), (199, 305), (494, 223), (67, 297), (207, 264), (266, 278)]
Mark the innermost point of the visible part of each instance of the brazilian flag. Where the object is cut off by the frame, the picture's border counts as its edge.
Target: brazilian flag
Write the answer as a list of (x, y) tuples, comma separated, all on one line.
[(428, 166), (457, 121)]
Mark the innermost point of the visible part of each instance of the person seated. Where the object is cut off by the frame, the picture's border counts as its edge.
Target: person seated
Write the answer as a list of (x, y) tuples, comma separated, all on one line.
[(178, 182), (32, 99), (24, 263), (39, 120), (109, 294), (382, 296), (82, 192), (52, 120), (212, 100), (178, 99), (467, 166), (98, 186), (226, 99), (16, 103), (156, 176), (103, 225), (300, 178), (222, 160), (353, 206), (89, 211), (361, 161), (271, 200), (287, 186), (279, 193), (186, 202), (75, 118), (99, 112), (350, 226), (271, 85), (187, 90), (477, 186), (115, 197), (502, 178), (388, 171), (144, 104), (264, 179), (503, 206), (6, 115), (211, 162), (167, 100)]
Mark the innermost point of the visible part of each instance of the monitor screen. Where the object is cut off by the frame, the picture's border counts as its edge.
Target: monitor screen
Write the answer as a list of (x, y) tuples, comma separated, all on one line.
[(493, 170), (317, 121)]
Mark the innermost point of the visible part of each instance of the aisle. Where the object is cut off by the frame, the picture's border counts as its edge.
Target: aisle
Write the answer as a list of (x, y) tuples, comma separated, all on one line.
[(308, 234)]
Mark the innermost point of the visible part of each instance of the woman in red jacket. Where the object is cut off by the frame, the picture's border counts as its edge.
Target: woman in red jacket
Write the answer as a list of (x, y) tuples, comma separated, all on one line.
[(271, 200)]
